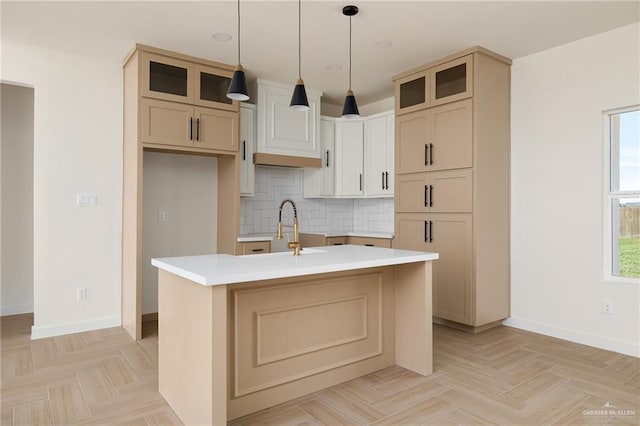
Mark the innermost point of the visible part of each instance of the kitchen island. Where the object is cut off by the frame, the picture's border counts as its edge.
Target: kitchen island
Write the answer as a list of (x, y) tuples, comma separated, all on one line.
[(243, 333)]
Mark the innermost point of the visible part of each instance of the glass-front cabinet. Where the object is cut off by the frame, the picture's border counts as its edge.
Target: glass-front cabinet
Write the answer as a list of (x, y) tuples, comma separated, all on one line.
[(451, 81), (411, 92), (444, 83), (182, 81)]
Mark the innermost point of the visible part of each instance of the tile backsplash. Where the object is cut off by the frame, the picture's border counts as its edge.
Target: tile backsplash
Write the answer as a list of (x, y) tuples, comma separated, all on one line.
[(259, 214)]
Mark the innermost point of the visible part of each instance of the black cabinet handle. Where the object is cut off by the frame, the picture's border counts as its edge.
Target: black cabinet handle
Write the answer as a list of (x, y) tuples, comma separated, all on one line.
[(426, 238), (338, 244), (257, 250), (387, 180), (368, 245), (360, 181), (244, 150), (431, 154), (382, 180), (327, 158), (426, 154), (430, 195), (190, 128), (198, 129), (430, 231), (426, 195)]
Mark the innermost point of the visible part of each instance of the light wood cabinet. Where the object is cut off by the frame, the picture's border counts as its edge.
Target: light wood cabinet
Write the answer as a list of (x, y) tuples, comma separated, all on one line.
[(451, 236), (247, 147), (253, 247), (282, 130), (448, 191), (439, 138), (336, 241), (178, 80), (181, 125), (369, 241), (452, 177), (321, 182), (174, 103), (447, 81)]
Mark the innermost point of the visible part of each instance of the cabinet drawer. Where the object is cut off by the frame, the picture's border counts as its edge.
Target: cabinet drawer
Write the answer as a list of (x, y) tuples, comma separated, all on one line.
[(255, 247), (371, 242), (336, 241), (449, 191)]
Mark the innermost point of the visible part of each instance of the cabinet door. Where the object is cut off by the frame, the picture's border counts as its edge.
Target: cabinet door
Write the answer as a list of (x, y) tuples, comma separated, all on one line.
[(210, 88), (216, 129), (411, 92), (328, 144), (451, 236), (284, 131), (450, 191), (411, 142), (450, 138), (167, 78), (451, 81), (376, 157), (247, 143), (412, 233), (349, 158), (167, 123)]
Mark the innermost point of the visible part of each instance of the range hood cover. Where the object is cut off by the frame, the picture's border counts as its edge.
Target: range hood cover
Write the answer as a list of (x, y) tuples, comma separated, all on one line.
[(263, 159)]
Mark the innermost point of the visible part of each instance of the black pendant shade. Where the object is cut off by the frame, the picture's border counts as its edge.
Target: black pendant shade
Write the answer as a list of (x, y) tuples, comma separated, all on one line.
[(299, 101), (238, 87), (350, 109)]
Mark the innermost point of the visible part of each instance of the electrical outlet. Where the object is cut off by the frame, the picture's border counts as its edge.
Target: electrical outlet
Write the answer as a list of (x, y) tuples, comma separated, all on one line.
[(87, 200), (162, 216), (81, 293), (607, 307)]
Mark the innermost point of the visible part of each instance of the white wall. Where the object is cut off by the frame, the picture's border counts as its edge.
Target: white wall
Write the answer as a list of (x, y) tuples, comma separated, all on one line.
[(558, 99), (77, 149), (17, 200), (184, 187)]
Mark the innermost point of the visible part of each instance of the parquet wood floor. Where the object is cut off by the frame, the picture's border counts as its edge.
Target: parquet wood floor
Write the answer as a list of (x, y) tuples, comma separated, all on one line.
[(503, 376)]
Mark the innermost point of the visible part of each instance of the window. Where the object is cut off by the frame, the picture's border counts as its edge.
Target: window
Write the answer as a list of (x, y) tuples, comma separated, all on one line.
[(623, 201)]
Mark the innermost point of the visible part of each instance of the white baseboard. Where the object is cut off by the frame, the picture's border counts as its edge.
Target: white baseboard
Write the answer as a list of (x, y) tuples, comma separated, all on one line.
[(16, 309), (40, 332), (602, 342)]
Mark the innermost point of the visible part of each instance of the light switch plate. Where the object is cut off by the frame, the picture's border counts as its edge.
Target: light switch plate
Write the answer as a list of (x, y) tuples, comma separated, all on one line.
[(87, 200)]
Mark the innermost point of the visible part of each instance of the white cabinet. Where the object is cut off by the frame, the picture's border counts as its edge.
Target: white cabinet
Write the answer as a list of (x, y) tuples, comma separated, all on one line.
[(361, 165), (247, 147), (378, 156), (349, 158), (282, 130), (321, 182)]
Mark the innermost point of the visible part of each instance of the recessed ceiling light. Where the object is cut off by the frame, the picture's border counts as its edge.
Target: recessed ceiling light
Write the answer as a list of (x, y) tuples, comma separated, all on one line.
[(221, 36), (383, 44), (334, 67)]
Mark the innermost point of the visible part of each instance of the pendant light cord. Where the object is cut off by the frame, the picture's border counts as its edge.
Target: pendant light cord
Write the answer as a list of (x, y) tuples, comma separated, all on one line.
[(349, 52), (238, 31), (299, 41)]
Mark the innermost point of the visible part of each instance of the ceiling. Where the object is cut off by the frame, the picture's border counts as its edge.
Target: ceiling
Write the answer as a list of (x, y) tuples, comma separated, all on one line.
[(421, 31)]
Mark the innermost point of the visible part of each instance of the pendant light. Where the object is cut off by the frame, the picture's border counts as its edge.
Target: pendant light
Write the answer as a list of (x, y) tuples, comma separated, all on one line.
[(299, 100), (350, 109), (238, 87)]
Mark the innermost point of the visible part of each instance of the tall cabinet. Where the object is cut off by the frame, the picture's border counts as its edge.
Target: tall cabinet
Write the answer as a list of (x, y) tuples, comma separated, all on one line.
[(174, 103), (452, 152)]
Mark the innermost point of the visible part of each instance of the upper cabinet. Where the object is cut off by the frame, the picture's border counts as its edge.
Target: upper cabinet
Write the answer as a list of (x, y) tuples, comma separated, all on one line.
[(321, 182), (187, 82), (282, 130), (247, 147), (361, 165), (447, 82)]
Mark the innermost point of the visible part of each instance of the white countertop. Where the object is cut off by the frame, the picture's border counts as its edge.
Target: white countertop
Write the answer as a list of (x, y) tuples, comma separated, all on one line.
[(250, 238), (219, 269)]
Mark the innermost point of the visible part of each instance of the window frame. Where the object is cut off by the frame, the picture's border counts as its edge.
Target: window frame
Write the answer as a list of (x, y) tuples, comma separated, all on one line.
[(609, 195)]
